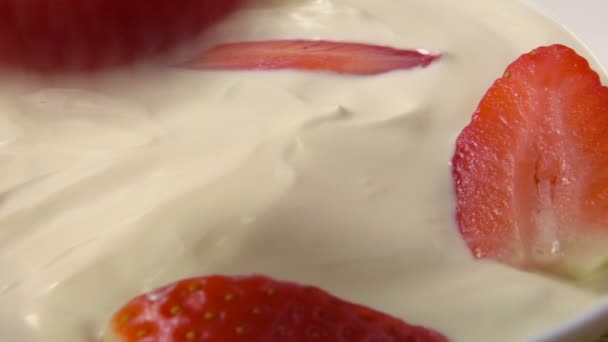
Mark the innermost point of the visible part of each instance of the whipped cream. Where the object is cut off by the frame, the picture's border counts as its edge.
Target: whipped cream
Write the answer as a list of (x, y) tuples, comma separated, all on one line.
[(114, 185)]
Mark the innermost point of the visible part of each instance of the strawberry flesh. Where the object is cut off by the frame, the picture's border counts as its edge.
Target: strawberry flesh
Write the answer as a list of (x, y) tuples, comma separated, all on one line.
[(531, 169), (310, 55), (254, 308)]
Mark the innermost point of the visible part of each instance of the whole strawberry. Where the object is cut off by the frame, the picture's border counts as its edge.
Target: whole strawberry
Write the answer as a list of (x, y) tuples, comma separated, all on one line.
[(253, 308), (50, 35)]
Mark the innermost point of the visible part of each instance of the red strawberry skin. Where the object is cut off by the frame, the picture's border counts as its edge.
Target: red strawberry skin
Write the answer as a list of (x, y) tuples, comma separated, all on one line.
[(50, 35), (311, 55), (254, 308), (531, 169)]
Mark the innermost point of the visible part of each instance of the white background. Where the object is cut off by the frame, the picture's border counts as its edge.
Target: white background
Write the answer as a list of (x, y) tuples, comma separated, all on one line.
[(587, 19)]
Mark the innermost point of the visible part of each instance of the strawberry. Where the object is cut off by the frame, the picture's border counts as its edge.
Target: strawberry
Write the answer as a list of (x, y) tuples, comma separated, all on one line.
[(311, 55), (253, 308), (51, 35), (531, 169)]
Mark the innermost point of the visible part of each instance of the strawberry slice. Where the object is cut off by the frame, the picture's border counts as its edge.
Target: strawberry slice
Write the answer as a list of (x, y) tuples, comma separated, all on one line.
[(531, 169), (310, 55), (51, 35), (253, 308)]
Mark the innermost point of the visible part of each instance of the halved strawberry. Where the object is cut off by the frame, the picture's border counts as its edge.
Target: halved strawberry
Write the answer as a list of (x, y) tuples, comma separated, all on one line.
[(59, 34), (531, 169), (311, 55), (253, 308)]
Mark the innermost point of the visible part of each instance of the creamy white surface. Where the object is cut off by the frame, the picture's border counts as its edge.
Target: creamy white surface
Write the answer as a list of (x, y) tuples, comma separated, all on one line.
[(116, 185)]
